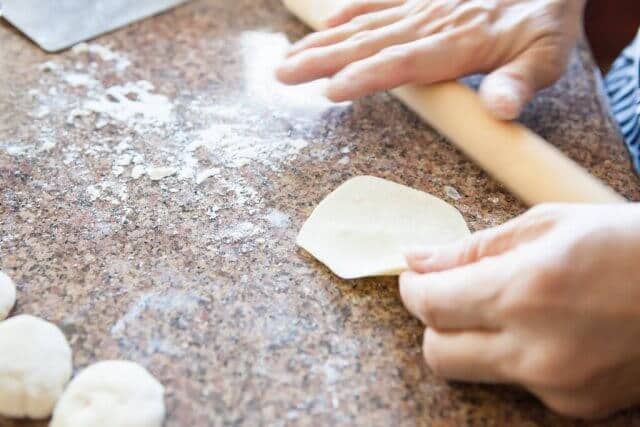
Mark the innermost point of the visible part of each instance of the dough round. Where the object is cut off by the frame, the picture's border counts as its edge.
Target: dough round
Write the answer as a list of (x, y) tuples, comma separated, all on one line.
[(7, 295), (113, 393), (35, 365), (364, 227)]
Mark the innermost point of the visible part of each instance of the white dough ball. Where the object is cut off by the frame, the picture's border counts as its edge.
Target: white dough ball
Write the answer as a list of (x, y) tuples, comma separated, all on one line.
[(113, 393), (7, 295), (35, 365)]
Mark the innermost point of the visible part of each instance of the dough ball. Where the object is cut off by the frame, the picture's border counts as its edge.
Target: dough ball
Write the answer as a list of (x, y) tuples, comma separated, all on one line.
[(113, 393), (35, 365), (7, 295), (365, 225)]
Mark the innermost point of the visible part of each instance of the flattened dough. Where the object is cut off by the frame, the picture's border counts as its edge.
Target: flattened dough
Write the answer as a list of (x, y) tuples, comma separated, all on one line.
[(364, 227)]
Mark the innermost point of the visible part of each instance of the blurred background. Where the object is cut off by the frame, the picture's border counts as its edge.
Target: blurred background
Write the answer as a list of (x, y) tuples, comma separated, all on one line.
[(610, 26)]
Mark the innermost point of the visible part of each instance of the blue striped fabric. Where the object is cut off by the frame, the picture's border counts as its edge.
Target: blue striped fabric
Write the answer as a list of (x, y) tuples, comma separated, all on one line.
[(623, 87)]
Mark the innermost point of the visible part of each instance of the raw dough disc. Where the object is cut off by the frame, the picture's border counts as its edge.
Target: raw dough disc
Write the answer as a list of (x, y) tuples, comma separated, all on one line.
[(113, 393), (364, 226), (7, 295), (35, 365)]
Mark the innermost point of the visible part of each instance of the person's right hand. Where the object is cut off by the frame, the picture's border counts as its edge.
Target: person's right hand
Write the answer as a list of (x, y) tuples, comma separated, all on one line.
[(375, 45), (548, 300)]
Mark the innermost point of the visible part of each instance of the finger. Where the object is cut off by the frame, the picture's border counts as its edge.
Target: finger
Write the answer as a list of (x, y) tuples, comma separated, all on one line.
[(507, 90), (462, 298), (358, 8), (465, 356), (343, 32), (482, 244), (440, 54), (325, 61), (485, 243), (425, 60)]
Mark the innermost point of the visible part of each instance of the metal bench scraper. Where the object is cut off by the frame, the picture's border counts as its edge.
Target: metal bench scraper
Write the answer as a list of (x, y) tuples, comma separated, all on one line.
[(59, 24)]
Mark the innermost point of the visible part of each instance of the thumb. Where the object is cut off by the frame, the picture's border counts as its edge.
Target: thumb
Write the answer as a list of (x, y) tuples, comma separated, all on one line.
[(507, 90), (482, 244), (490, 242)]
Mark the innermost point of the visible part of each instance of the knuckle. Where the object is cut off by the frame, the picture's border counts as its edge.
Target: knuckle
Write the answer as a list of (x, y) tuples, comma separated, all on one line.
[(472, 47), (545, 280), (430, 353), (554, 65), (430, 312), (361, 37), (413, 297), (558, 369), (534, 292), (546, 214), (362, 20), (475, 248), (403, 58)]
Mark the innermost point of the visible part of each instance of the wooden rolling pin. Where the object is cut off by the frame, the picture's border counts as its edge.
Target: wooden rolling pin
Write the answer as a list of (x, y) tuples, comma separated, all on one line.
[(530, 167)]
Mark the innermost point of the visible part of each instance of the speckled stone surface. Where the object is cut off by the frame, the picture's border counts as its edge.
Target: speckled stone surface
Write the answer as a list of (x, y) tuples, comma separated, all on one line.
[(202, 282)]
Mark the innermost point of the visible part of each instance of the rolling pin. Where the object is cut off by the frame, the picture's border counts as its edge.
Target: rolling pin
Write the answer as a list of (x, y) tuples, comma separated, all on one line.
[(530, 167)]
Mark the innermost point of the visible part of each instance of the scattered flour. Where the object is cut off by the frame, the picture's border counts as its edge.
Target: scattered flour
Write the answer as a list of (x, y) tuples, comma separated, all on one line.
[(452, 192), (235, 145), (158, 173), (206, 174), (134, 104), (105, 54), (40, 112), (343, 161), (137, 171), (47, 146), (278, 218), (17, 150), (242, 230), (80, 79)]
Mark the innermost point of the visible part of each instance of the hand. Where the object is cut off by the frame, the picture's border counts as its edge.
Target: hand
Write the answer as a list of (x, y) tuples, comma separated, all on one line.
[(381, 44), (549, 300)]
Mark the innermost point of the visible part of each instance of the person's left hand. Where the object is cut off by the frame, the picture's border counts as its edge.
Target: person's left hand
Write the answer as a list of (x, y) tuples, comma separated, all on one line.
[(375, 45), (549, 300)]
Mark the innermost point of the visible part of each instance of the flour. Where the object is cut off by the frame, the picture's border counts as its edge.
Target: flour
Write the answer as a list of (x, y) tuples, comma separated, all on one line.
[(278, 219), (452, 192), (119, 135), (47, 146), (262, 52), (205, 174), (236, 146), (109, 191), (132, 103), (40, 112), (137, 171), (242, 230), (162, 304), (343, 161), (104, 53), (17, 150), (158, 173), (80, 79)]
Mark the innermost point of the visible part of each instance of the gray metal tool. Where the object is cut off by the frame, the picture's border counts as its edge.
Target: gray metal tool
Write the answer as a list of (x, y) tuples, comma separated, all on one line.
[(59, 24)]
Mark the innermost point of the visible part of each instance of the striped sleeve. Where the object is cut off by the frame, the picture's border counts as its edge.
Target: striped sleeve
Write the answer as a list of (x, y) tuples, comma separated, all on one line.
[(623, 89)]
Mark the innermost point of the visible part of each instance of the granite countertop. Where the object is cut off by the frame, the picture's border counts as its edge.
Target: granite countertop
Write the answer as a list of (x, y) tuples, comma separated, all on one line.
[(196, 276)]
